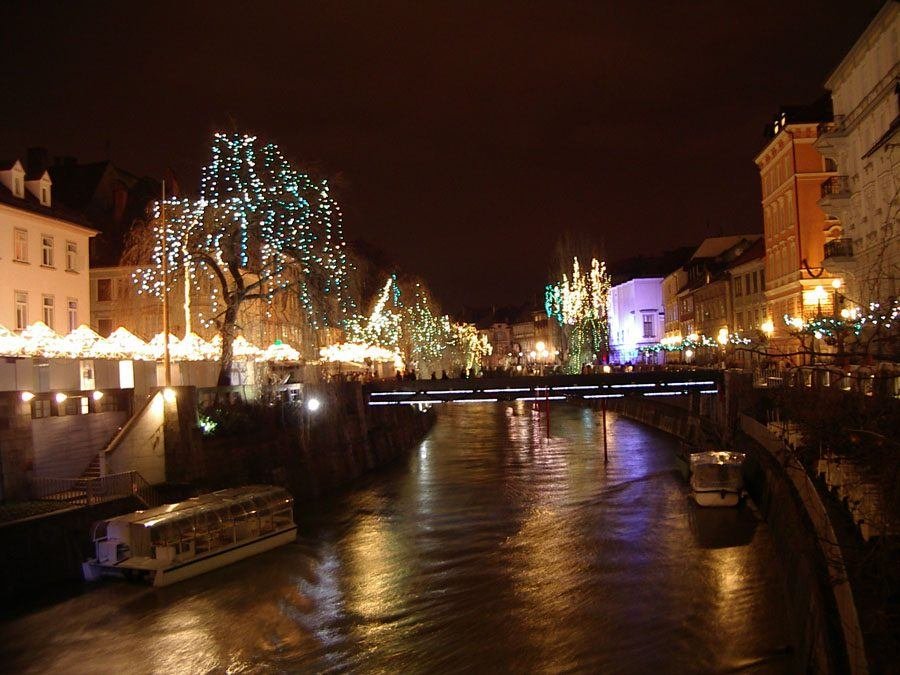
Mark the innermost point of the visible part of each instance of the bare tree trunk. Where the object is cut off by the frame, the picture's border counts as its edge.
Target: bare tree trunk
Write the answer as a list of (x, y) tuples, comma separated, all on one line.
[(227, 333)]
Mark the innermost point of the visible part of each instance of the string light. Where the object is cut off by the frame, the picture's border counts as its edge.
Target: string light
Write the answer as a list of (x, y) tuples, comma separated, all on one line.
[(260, 228), (583, 303)]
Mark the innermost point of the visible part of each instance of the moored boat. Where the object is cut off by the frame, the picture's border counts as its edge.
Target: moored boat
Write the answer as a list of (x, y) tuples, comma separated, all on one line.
[(174, 542), (717, 477)]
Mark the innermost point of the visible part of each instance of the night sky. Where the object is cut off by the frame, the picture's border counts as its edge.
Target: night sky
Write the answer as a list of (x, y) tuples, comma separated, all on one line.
[(464, 136)]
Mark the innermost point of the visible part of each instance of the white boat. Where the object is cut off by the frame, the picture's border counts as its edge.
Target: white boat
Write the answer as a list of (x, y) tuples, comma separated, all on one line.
[(717, 478), (174, 542)]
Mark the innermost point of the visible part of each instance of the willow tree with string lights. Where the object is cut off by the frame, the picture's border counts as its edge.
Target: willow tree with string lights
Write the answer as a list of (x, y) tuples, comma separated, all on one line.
[(261, 232), (580, 304)]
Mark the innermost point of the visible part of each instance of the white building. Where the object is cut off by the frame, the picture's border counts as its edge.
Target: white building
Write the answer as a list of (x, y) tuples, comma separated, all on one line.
[(862, 146), (43, 256), (636, 318)]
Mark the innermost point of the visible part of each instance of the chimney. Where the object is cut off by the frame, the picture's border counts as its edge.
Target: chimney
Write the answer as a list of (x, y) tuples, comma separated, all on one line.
[(38, 161)]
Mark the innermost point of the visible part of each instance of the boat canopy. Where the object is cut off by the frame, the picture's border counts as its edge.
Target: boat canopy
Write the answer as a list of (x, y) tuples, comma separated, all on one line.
[(210, 520)]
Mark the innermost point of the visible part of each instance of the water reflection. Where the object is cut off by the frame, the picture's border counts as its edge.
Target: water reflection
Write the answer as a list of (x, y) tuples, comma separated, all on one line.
[(493, 547)]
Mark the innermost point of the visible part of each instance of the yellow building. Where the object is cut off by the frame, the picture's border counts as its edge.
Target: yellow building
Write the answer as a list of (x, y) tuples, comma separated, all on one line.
[(792, 173)]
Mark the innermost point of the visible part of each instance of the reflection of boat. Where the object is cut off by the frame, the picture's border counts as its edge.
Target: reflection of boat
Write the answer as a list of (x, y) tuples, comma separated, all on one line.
[(716, 478), (178, 541)]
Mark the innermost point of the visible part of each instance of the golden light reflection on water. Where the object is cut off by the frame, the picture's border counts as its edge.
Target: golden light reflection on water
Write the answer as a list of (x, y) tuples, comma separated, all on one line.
[(370, 559), (494, 548)]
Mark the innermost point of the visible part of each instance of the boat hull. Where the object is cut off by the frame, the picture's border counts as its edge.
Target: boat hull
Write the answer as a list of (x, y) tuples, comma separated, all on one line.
[(192, 568), (716, 498), (166, 575)]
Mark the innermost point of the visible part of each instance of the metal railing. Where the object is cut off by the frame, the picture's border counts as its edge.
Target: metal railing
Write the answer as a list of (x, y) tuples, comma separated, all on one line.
[(839, 248), (89, 491), (836, 186)]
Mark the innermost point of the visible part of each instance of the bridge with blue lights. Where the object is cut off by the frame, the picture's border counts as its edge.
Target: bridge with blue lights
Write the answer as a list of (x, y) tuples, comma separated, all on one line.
[(544, 388)]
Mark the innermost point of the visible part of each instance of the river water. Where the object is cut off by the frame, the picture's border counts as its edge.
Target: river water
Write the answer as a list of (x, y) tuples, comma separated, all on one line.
[(491, 547)]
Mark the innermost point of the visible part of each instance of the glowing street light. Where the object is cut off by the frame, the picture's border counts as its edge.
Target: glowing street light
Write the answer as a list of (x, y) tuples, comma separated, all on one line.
[(313, 404)]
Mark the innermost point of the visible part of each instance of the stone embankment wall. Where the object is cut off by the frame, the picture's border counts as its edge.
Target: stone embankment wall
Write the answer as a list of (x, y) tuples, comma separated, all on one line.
[(49, 549), (820, 640), (310, 453)]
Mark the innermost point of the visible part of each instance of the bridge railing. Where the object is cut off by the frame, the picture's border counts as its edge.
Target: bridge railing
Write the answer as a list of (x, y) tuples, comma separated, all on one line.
[(551, 387)]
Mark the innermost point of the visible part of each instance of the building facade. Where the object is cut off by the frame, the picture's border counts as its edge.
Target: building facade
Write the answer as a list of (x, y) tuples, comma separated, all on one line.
[(792, 173), (861, 143), (636, 318), (43, 255)]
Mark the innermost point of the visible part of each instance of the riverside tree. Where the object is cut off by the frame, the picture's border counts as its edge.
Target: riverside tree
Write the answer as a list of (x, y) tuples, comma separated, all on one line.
[(581, 306), (261, 231), (406, 320)]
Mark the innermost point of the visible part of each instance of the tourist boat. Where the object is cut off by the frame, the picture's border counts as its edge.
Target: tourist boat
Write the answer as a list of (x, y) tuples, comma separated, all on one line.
[(717, 477), (174, 542)]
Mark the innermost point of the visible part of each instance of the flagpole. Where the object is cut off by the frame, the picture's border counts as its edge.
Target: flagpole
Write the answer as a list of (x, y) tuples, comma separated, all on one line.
[(167, 362)]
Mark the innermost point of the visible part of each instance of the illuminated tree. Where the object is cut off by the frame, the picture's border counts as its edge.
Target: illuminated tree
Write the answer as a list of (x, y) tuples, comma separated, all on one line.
[(382, 328), (261, 229), (581, 305), (426, 340)]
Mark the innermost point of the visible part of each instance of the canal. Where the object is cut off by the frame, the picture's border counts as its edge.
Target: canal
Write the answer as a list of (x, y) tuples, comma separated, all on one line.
[(489, 547)]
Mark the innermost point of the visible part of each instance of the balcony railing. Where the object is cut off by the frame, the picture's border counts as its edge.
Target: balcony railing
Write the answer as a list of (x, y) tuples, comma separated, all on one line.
[(839, 248), (836, 186)]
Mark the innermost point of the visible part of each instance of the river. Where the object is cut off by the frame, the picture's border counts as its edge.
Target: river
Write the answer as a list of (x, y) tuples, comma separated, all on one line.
[(491, 547)]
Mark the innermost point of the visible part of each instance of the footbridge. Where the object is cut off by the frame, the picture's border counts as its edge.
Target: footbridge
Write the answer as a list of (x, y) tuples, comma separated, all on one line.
[(544, 388)]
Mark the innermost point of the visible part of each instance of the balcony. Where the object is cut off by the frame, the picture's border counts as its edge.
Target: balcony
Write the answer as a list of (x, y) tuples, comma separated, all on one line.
[(839, 248), (835, 127), (836, 187)]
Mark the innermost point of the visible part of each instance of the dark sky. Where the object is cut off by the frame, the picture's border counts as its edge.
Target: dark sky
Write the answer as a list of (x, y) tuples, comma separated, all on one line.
[(468, 135)]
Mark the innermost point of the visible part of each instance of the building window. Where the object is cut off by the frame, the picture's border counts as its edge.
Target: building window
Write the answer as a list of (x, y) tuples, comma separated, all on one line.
[(648, 325), (40, 407), (71, 256), (18, 190), (72, 309), (104, 290), (737, 288), (21, 310), (46, 251), (755, 283), (21, 245), (104, 327), (762, 280), (47, 310)]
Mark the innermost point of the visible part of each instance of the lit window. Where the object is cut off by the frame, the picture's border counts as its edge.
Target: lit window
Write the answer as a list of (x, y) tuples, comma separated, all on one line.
[(21, 310), (648, 325), (21, 245), (46, 251), (71, 256), (73, 314), (47, 310)]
